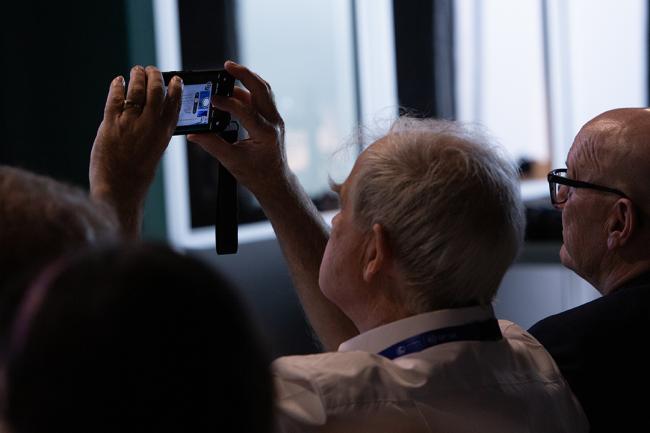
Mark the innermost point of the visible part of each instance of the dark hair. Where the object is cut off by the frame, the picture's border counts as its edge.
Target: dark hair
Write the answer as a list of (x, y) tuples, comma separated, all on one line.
[(41, 218), (135, 339)]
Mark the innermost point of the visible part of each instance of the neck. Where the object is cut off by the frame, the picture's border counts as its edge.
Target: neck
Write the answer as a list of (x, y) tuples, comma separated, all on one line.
[(621, 275), (380, 314), (383, 303)]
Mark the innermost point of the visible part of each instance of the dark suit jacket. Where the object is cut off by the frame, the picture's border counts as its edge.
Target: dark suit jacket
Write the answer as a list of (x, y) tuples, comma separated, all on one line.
[(602, 348)]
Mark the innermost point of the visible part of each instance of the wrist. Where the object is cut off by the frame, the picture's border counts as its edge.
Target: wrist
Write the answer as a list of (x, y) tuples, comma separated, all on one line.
[(128, 208)]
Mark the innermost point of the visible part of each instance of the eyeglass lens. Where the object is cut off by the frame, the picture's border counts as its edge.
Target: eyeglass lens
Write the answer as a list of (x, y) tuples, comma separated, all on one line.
[(560, 191)]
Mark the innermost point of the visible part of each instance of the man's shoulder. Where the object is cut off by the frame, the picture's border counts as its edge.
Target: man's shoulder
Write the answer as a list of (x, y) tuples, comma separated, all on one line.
[(333, 368), (600, 336), (319, 389), (626, 309), (327, 362), (310, 389), (572, 320), (345, 378)]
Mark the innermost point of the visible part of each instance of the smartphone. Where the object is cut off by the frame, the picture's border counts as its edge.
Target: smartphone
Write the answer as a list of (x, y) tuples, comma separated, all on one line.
[(197, 114)]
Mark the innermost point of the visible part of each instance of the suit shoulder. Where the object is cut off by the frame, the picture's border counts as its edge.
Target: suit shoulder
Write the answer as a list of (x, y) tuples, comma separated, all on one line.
[(626, 310)]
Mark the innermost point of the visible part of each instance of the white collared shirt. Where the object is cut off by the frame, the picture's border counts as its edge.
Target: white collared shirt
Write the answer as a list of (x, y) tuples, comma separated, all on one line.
[(511, 385)]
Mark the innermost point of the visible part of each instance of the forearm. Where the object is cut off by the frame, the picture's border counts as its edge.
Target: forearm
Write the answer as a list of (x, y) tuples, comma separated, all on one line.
[(302, 235), (128, 212), (259, 163)]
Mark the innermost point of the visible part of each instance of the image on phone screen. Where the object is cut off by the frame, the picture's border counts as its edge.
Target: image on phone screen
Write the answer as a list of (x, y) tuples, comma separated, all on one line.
[(196, 113), (195, 104)]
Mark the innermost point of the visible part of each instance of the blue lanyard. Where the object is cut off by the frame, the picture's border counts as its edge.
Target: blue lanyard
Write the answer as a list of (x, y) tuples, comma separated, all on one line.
[(487, 330)]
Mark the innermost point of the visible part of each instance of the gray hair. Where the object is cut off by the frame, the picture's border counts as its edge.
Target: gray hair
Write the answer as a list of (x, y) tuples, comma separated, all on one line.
[(450, 203)]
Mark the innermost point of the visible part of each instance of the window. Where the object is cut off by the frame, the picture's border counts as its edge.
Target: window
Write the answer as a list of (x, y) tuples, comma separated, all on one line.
[(534, 71), (331, 65), (305, 50)]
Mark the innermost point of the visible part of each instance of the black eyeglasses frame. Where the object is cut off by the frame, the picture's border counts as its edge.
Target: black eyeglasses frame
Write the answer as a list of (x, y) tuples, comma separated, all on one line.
[(553, 177)]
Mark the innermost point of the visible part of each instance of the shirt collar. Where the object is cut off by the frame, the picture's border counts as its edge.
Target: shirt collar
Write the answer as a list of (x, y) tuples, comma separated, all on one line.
[(381, 337)]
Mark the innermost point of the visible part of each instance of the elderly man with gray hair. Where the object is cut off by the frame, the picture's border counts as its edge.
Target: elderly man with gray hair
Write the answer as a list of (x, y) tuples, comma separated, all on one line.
[(401, 287)]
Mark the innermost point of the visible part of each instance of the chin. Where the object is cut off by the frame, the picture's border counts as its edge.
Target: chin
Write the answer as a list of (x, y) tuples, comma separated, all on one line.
[(566, 259), (569, 263), (321, 286), (326, 285)]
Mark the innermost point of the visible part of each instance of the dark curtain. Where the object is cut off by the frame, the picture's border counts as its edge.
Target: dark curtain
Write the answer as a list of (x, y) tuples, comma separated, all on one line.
[(57, 65)]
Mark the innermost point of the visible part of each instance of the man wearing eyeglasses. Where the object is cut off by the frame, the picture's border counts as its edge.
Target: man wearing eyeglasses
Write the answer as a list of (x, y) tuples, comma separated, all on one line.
[(604, 196)]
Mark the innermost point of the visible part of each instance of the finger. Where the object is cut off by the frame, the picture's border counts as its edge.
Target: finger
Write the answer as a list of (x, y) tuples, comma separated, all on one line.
[(216, 146), (242, 95), (247, 115), (261, 94), (172, 104), (136, 90), (155, 90), (115, 98)]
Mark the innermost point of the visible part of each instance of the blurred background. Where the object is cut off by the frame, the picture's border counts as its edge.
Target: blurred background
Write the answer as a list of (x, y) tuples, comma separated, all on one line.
[(530, 71)]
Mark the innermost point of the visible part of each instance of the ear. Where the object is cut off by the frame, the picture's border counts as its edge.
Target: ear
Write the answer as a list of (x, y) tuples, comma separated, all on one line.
[(622, 224), (377, 254)]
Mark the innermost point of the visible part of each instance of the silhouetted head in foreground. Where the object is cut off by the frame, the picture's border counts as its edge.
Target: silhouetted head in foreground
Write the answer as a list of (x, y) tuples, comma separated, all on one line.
[(134, 339), (42, 218)]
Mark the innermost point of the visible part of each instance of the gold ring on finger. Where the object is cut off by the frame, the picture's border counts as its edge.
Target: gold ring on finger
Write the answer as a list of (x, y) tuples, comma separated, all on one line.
[(130, 104)]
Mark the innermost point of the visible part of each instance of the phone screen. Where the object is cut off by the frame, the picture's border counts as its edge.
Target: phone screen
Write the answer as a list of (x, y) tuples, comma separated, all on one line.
[(195, 104), (196, 114)]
